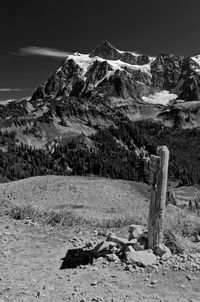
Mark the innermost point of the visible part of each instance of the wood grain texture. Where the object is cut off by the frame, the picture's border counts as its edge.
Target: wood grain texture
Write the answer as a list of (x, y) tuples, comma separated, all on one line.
[(158, 197)]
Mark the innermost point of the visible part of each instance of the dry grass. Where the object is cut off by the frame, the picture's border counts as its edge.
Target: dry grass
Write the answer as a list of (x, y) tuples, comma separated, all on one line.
[(64, 218), (95, 203), (90, 198), (181, 229), (177, 233)]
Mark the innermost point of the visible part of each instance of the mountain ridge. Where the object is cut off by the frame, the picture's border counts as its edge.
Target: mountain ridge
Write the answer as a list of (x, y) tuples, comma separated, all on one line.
[(99, 115), (103, 87)]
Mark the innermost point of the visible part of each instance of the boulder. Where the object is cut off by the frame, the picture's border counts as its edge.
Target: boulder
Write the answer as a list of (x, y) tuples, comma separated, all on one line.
[(162, 251), (104, 248), (136, 231), (133, 241), (119, 240), (140, 244), (112, 258), (141, 258)]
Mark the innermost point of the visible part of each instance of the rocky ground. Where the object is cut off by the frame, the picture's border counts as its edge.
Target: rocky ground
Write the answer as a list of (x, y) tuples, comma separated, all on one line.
[(44, 263), (34, 267)]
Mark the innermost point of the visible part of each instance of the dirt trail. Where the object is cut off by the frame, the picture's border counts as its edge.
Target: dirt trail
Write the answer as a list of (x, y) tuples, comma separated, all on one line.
[(30, 262)]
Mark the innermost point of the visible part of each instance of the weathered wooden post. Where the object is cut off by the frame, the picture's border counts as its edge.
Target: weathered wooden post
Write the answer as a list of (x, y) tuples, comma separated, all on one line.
[(158, 180)]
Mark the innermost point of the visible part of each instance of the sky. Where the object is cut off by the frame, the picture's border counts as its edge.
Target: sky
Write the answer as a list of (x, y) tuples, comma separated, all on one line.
[(35, 35)]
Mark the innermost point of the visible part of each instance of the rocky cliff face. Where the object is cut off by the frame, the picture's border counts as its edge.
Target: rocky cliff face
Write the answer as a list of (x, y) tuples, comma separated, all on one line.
[(104, 70), (188, 86), (166, 71), (107, 85), (122, 74), (106, 51)]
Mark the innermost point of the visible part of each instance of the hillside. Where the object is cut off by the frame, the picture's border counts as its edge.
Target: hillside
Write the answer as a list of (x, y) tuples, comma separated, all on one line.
[(92, 198), (86, 119), (96, 201)]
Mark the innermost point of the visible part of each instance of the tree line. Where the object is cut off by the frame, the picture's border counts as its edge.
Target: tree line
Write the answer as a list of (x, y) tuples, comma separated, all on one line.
[(113, 154)]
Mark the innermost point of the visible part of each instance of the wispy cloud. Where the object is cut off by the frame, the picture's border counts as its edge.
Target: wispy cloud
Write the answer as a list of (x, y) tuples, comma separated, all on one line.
[(41, 51), (11, 89)]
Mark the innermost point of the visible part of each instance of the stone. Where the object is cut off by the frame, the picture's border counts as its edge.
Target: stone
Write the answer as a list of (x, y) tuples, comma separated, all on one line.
[(115, 249), (141, 258), (112, 258), (128, 267), (136, 231), (129, 249), (89, 244), (140, 245), (119, 240), (104, 248), (94, 283), (133, 241), (183, 286), (162, 251), (189, 277), (153, 282)]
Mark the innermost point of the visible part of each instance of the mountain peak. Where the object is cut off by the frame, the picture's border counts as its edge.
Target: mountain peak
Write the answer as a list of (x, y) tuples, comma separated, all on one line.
[(106, 51), (106, 43)]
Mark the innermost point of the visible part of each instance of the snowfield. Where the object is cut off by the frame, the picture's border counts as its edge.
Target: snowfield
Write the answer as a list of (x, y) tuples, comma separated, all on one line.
[(162, 97), (196, 59), (84, 61)]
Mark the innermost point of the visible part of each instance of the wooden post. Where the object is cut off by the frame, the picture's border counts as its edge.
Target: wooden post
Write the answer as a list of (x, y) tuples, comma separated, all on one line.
[(158, 180)]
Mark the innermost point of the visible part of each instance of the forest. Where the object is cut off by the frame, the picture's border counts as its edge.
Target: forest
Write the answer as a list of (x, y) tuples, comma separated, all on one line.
[(113, 154)]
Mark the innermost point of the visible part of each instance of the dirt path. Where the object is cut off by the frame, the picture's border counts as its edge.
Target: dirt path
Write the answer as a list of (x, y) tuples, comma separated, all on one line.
[(30, 262)]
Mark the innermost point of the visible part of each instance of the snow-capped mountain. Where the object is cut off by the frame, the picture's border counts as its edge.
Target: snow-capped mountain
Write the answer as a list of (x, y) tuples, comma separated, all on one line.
[(105, 68), (107, 85), (123, 74)]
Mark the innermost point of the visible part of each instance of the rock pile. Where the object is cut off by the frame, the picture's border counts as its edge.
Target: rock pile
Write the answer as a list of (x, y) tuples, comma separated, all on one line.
[(133, 250), (189, 262), (132, 254)]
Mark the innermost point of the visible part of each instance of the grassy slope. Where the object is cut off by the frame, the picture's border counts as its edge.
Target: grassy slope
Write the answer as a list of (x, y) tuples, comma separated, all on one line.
[(94, 202), (92, 198)]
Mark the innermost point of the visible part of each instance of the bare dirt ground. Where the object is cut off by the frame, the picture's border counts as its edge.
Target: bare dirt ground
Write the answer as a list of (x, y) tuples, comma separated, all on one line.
[(31, 254)]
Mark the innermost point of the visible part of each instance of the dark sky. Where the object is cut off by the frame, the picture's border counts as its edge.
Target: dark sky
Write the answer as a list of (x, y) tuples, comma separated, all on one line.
[(146, 26)]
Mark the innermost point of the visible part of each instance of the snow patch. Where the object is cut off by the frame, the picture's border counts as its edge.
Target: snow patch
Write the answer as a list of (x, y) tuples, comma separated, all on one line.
[(162, 97), (85, 62), (197, 70), (152, 59), (127, 51), (196, 59)]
